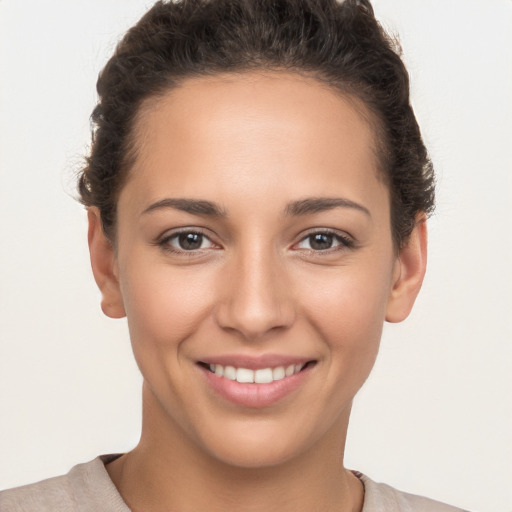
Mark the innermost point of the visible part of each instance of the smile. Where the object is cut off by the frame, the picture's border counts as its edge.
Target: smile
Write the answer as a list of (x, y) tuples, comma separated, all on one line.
[(259, 376), (263, 384)]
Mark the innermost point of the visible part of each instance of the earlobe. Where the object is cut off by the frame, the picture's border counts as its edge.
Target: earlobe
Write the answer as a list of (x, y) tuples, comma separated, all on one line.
[(408, 273), (104, 267)]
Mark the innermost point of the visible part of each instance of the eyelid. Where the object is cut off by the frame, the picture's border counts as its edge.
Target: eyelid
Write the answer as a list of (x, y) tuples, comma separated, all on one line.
[(346, 241), (163, 240)]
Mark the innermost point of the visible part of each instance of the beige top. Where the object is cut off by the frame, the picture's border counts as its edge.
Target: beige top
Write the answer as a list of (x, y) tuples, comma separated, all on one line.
[(87, 487)]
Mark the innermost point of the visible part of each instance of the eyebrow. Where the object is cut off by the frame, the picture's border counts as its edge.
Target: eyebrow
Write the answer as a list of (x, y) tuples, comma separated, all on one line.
[(305, 206), (193, 206), (320, 204)]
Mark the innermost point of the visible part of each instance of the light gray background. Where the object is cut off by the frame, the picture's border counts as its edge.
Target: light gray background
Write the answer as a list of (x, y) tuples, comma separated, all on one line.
[(435, 416)]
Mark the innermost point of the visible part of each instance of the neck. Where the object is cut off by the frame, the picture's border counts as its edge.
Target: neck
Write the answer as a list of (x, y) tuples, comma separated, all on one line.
[(166, 471)]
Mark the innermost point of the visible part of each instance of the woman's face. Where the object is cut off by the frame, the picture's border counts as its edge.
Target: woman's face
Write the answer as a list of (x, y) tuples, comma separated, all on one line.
[(254, 241)]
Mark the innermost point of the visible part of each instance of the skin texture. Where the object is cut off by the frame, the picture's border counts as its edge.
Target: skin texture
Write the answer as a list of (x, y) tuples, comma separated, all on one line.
[(253, 144)]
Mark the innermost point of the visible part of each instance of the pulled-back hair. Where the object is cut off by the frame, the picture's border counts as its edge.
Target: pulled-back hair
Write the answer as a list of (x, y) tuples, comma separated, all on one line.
[(339, 43)]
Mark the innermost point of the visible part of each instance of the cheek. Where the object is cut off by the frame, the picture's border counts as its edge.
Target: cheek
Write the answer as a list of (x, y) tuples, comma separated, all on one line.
[(350, 299), (348, 310), (164, 304), (164, 307)]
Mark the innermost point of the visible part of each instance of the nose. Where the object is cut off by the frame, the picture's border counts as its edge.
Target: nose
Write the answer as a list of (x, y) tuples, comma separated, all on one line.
[(256, 295)]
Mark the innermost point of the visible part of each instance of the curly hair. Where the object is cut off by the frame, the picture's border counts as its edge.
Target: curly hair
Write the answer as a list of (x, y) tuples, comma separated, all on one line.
[(337, 42)]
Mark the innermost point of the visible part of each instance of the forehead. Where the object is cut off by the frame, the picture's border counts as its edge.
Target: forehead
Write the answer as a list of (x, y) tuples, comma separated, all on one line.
[(283, 128), (244, 100)]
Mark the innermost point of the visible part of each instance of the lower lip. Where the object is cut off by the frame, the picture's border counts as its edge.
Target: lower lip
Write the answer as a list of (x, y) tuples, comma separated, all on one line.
[(252, 394)]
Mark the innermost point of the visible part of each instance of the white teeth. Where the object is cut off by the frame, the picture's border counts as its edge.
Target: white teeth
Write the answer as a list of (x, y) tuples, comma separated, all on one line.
[(278, 373), (263, 376), (230, 372), (260, 376), (244, 375)]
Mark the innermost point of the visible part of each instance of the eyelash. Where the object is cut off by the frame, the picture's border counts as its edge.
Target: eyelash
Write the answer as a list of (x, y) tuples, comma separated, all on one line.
[(344, 242), (164, 242)]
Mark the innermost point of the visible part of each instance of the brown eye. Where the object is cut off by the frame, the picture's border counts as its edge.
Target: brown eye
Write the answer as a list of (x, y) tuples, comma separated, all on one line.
[(186, 241), (190, 241), (323, 241)]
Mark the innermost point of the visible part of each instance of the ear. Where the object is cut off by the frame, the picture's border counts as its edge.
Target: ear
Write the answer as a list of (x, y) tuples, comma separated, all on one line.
[(408, 273), (104, 267)]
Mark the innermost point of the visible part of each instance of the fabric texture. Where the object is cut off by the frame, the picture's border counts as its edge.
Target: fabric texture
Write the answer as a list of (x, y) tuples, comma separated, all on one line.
[(88, 488)]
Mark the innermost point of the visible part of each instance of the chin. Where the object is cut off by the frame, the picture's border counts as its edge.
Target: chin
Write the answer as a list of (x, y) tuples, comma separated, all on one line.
[(254, 456), (256, 445)]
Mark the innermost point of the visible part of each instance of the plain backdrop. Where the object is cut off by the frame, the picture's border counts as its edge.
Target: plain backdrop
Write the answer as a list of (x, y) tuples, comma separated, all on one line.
[(435, 417)]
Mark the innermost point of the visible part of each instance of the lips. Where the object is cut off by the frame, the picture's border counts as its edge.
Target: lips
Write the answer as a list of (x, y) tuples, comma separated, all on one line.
[(255, 383)]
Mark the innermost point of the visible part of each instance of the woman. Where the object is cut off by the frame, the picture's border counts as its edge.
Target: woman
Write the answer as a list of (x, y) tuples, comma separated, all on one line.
[(257, 194)]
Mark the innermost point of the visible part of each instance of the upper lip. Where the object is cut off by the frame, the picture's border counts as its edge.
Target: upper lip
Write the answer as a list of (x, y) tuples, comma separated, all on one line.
[(255, 362)]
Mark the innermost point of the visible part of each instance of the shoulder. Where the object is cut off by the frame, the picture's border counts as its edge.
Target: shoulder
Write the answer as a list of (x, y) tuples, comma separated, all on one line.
[(86, 487), (52, 494), (384, 498)]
